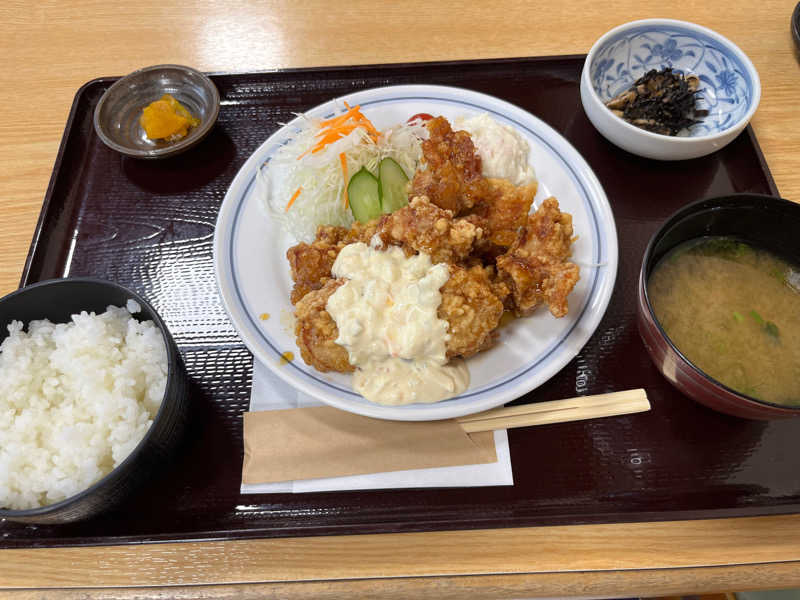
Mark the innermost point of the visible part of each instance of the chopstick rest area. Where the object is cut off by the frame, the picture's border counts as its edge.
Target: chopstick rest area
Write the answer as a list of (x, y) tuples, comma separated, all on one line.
[(322, 441)]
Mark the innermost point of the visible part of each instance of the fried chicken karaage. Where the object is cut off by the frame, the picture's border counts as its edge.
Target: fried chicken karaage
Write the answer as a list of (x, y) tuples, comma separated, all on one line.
[(417, 227), (472, 306), (536, 267), (316, 331), (452, 178), (500, 255), (500, 215)]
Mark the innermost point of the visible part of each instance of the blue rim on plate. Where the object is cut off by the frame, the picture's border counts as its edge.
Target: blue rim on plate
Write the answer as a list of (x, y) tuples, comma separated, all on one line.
[(245, 234)]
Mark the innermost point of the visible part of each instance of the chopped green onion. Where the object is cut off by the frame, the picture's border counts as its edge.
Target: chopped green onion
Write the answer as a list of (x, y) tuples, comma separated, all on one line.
[(771, 329), (738, 316)]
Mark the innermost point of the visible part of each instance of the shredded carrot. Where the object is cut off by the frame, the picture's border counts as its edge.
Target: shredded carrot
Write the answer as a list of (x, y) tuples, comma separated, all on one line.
[(294, 197), (336, 128), (343, 160), (334, 121)]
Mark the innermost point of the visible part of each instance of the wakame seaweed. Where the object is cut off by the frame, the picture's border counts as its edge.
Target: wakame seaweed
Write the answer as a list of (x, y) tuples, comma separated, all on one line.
[(722, 247)]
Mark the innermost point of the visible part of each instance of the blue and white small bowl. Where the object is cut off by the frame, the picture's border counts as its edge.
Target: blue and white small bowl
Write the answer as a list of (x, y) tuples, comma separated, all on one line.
[(730, 88)]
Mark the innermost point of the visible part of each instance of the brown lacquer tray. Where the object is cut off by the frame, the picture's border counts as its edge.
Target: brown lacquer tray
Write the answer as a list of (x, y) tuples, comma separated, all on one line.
[(150, 225)]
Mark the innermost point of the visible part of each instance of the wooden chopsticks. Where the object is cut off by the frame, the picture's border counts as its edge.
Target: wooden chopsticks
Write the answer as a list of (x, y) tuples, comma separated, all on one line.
[(558, 411)]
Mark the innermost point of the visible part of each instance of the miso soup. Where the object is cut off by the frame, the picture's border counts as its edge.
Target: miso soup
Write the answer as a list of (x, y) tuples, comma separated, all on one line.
[(733, 310)]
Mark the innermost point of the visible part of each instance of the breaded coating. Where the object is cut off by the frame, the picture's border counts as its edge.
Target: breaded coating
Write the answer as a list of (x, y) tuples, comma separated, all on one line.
[(452, 178), (316, 331), (506, 210), (535, 268), (311, 264), (311, 267), (362, 232), (424, 227), (500, 216), (331, 234), (472, 309)]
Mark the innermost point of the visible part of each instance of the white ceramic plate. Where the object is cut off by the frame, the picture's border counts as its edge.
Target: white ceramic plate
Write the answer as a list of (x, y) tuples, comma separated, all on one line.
[(253, 274)]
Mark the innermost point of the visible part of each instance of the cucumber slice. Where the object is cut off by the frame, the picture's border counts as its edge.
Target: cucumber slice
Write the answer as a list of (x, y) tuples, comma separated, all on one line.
[(363, 193), (393, 185)]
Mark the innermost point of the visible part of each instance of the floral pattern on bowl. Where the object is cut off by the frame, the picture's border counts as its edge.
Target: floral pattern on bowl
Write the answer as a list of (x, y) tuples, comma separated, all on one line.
[(726, 89)]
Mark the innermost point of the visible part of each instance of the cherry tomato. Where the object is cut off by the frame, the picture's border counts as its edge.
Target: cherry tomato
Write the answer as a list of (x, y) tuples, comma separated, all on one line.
[(420, 117)]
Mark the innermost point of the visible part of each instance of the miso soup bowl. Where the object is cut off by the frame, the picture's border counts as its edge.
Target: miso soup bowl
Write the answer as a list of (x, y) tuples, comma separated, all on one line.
[(768, 222), (730, 88)]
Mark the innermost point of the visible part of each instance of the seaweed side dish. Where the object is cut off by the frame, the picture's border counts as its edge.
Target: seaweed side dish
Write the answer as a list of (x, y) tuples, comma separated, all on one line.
[(660, 101)]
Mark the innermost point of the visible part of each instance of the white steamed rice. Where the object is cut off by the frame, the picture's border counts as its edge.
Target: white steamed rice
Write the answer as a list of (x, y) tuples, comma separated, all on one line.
[(75, 399)]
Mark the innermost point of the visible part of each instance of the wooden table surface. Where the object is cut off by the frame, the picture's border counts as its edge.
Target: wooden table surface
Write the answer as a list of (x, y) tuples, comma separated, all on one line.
[(50, 48)]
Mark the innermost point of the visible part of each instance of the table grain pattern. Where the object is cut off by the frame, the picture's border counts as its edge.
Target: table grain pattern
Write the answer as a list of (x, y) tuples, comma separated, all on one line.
[(51, 48)]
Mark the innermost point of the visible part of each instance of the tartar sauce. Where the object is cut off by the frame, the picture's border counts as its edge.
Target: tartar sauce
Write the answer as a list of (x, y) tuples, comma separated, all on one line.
[(387, 318), (503, 151)]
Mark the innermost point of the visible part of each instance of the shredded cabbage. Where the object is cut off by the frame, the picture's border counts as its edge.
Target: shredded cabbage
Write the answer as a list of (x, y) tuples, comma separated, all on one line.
[(320, 176)]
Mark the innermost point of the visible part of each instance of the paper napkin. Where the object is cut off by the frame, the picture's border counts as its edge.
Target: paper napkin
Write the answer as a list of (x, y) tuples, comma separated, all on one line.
[(262, 433)]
